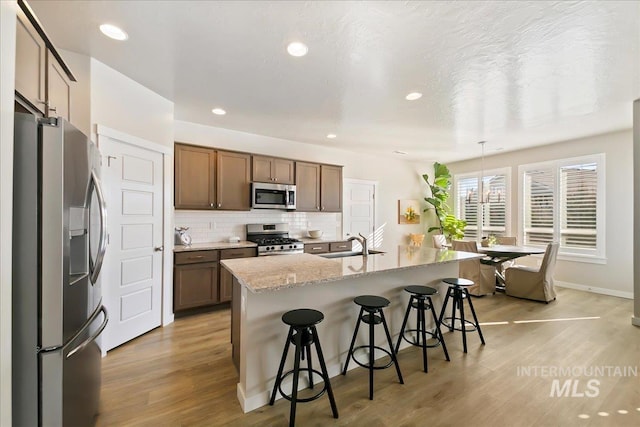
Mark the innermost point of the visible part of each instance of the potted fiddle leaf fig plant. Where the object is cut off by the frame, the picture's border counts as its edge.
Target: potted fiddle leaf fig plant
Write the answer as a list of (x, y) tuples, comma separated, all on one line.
[(448, 225)]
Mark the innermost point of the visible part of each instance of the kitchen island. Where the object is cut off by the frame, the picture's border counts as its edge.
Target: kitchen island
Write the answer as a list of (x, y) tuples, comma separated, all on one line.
[(266, 287)]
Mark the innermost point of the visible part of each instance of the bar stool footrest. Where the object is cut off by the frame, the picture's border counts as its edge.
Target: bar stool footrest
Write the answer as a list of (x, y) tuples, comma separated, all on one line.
[(447, 323), (433, 336), (306, 399), (366, 365)]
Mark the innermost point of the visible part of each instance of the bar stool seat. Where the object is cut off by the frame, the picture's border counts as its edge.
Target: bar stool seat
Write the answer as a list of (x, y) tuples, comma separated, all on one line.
[(372, 305), (302, 334), (458, 292), (421, 301)]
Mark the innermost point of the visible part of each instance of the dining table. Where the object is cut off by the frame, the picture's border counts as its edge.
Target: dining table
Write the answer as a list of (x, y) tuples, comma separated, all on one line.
[(497, 255)]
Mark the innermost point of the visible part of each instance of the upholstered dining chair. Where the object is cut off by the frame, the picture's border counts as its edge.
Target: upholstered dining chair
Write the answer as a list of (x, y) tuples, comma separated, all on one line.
[(534, 283), (506, 240), (439, 241), (483, 276)]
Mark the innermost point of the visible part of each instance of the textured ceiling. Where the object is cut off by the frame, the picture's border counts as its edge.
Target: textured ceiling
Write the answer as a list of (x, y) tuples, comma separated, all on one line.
[(513, 73)]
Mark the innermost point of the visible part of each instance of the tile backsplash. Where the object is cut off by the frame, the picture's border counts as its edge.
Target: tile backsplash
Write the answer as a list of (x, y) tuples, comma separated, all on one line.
[(206, 226)]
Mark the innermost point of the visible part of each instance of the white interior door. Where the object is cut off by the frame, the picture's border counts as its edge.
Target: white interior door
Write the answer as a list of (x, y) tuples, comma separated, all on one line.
[(132, 281), (359, 212)]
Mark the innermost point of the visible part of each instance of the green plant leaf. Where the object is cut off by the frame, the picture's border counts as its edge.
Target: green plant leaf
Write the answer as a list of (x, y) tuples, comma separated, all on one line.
[(441, 170), (442, 181)]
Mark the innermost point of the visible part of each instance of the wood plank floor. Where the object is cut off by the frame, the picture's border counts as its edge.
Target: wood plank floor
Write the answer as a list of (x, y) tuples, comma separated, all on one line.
[(182, 375)]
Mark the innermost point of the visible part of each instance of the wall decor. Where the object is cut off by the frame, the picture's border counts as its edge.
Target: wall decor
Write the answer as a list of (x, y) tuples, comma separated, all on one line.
[(408, 212)]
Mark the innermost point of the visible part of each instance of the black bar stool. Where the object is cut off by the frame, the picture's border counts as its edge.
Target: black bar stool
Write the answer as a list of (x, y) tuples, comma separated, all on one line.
[(373, 305), (421, 300), (458, 293), (302, 333)]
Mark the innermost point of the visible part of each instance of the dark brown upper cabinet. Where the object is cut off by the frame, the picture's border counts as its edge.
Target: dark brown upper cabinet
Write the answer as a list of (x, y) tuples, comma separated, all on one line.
[(43, 80), (318, 187), (233, 181), (273, 169), (195, 178), (211, 179)]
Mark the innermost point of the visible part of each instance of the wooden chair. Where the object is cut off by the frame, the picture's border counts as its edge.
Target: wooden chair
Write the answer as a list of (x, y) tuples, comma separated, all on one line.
[(483, 276), (532, 283)]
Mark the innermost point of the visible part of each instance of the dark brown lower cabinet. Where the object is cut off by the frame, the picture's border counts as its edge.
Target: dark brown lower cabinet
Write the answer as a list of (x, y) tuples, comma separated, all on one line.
[(200, 281), (195, 285)]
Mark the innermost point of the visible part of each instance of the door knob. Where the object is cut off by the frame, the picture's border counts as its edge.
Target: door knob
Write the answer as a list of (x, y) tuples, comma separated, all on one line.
[(158, 249)]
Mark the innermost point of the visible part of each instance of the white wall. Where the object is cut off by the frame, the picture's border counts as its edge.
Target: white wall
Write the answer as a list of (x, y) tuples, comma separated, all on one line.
[(616, 276), (636, 211), (7, 85), (397, 179), (124, 105)]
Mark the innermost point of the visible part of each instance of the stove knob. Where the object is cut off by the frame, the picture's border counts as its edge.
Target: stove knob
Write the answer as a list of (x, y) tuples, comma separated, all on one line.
[(281, 247), (290, 246)]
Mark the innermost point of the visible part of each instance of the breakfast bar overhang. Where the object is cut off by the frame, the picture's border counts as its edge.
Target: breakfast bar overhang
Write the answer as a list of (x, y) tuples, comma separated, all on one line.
[(266, 287)]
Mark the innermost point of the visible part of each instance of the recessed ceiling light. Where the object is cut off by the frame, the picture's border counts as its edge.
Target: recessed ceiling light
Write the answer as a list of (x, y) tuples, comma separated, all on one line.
[(402, 153), (297, 49), (218, 111), (113, 32), (331, 135), (413, 96)]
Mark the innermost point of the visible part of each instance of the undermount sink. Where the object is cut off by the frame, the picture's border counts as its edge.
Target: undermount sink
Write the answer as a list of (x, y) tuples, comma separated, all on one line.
[(348, 254)]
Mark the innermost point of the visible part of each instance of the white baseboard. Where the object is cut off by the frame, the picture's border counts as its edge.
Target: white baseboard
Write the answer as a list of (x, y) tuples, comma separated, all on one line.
[(602, 291), (635, 320)]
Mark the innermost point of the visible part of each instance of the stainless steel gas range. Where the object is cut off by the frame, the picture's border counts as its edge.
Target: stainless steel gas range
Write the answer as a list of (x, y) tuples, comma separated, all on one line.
[(273, 239)]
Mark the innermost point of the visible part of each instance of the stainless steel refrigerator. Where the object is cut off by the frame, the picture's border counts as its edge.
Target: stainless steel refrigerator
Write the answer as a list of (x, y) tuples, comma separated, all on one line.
[(59, 241)]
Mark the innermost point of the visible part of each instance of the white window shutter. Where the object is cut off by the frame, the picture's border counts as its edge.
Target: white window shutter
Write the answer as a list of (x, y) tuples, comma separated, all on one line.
[(539, 206)]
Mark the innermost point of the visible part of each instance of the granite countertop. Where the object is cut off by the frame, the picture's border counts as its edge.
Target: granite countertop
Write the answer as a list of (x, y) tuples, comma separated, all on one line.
[(271, 273), (214, 245)]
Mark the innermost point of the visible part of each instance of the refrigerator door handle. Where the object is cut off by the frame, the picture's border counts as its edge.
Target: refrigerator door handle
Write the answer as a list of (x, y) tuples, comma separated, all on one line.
[(102, 244), (93, 336)]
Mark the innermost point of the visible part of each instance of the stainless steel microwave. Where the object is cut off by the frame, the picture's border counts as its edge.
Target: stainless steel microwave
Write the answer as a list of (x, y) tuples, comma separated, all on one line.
[(272, 196)]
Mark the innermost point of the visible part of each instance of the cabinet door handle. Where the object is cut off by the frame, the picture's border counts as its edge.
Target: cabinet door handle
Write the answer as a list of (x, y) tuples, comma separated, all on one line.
[(316, 249), (53, 109), (159, 249), (275, 179), (196, 257), (211, 204), (219, 205)]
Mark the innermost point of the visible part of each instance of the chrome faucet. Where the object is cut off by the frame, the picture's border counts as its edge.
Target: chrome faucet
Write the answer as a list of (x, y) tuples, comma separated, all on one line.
[(363, 241)]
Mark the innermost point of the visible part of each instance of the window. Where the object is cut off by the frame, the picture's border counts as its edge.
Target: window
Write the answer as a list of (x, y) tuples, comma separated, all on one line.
[(487, 214), (560, 203)]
